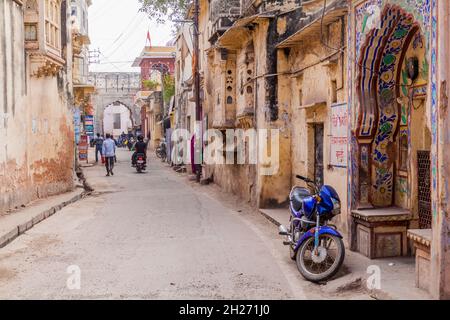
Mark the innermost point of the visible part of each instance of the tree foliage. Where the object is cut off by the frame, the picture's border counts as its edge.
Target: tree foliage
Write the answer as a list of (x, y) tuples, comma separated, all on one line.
[(168, 87), (163, 9), (150, 84)]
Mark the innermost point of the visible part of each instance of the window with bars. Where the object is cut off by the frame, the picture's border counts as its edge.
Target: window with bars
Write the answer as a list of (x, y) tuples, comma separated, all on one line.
[(424, 183), (53, 23)]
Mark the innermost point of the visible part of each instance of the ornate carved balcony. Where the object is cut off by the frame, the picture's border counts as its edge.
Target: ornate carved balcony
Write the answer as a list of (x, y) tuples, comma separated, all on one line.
[(223, 15), (79, 41), (45, 64)]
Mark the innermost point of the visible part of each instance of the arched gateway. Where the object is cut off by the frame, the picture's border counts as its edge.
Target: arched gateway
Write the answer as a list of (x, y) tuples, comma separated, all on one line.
[(115, 89)]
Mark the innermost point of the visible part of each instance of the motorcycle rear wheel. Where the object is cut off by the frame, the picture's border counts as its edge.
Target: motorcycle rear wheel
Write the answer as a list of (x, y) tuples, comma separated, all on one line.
[(326, 269)]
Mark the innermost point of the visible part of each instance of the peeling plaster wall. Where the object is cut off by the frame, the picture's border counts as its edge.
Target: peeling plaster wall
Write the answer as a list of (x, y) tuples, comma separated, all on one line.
[(313, 86), (236, 179), (248, 181), (36, 125)]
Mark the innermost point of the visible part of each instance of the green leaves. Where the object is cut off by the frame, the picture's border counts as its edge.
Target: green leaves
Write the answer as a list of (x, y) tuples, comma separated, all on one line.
[(161, 10), (168, 87), (150, 84)]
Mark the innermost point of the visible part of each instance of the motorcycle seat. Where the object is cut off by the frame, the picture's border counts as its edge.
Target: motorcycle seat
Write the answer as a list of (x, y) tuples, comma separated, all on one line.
[(298, 194)]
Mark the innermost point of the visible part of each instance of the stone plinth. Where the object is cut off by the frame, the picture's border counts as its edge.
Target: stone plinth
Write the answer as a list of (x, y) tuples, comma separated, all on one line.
[(422, 243), (381, 233)]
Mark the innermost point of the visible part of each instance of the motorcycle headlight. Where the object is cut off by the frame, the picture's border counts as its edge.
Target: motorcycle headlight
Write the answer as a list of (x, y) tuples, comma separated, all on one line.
[(336, 206)]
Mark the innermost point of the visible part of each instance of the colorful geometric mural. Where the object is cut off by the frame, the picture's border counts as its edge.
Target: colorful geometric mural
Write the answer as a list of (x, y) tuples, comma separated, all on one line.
[(383, 30), (367, 13), (384, 153)]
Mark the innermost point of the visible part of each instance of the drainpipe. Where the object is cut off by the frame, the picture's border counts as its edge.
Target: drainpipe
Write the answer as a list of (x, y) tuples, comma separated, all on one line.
[(198, 113)]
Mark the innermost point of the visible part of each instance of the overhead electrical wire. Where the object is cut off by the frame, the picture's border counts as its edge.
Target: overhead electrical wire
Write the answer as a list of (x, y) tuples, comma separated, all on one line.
[(126, 28), (111, 63), (134, 45), (116, 44), (120, 45), (103, 12)]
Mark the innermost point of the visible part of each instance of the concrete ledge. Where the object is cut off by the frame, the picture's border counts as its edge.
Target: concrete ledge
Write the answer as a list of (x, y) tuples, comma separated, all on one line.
[(277, 216), (17, 223), (8, 237)]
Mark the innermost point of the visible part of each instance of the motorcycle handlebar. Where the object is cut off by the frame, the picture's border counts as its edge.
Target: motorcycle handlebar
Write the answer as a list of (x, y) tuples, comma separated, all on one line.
[(304, 178), (310, 182)]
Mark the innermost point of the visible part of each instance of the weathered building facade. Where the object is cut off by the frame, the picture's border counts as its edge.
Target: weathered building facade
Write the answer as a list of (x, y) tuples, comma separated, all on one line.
[(184, 112), (36, 96), (358, 91), (253, 66), (312, 90)]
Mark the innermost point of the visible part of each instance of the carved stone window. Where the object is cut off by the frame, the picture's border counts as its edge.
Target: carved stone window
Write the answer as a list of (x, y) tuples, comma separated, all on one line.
[(53, 23), (31, 32), (42, 27)]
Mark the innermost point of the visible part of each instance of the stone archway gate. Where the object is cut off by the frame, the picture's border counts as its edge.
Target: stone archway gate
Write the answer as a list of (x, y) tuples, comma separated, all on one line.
[(115, 87)]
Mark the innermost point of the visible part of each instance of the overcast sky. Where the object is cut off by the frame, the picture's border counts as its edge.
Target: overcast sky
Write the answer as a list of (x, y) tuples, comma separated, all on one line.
[(119, 31)]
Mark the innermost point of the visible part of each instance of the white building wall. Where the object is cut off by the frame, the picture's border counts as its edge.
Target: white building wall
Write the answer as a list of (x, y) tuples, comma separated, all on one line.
[(108, 120)]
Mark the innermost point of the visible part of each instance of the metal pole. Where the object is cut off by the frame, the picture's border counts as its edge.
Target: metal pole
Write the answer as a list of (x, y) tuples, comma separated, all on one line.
[(198, 113)]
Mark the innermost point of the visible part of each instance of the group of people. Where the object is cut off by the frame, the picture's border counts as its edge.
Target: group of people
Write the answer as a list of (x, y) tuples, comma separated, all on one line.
[(107, 149)]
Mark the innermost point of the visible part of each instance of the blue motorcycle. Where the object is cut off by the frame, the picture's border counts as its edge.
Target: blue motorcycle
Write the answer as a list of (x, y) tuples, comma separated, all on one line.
[(314, 244)]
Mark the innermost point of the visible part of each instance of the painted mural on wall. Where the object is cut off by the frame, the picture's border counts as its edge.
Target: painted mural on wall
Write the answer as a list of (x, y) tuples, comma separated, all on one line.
[(382, 30), (368, 16)]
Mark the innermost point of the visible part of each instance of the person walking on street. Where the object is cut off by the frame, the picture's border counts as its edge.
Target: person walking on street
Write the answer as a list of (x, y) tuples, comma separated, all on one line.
[(109, 152), (98, 146)]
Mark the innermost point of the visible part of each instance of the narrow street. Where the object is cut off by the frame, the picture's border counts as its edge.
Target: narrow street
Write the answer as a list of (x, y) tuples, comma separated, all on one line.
[(151, 236)]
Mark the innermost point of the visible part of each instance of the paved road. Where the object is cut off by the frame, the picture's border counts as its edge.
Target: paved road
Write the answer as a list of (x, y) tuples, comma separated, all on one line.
[(151, 236)]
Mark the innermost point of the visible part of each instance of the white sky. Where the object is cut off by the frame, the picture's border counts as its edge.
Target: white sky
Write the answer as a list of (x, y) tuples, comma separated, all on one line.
[(119, 31)]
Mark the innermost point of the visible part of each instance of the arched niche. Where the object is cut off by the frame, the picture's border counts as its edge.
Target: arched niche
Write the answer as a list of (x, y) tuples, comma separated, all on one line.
[(386, 97)]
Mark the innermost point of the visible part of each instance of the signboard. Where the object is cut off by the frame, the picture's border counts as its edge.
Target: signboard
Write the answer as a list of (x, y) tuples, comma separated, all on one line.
[(83, 148), (339, 135), (77, 124), (89, 126)]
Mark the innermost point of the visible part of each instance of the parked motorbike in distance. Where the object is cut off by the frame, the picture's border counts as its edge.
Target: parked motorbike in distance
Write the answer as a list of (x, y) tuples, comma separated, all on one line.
[(141, 164), (314, 244), (161, 152)]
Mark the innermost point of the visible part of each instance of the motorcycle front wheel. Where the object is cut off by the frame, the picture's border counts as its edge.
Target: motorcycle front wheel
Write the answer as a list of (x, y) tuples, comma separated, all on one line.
[(323, 264)]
